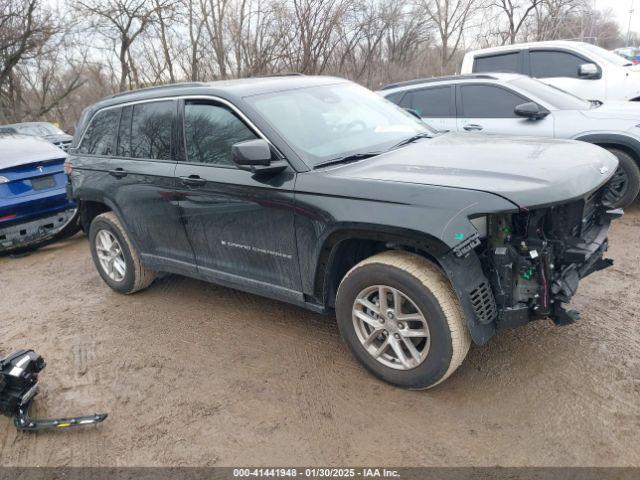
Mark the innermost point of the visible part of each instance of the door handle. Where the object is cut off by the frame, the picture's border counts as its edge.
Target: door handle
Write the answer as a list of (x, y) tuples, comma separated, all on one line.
[(118, 173), (193, 181), (470, 127)]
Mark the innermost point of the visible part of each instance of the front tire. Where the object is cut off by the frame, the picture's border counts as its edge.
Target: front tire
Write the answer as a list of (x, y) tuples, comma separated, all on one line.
[(115, 257), (624, 186), (402, 320)]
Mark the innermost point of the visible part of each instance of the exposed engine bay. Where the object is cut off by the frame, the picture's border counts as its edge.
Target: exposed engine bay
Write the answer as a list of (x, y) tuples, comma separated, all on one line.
[(534, 259)]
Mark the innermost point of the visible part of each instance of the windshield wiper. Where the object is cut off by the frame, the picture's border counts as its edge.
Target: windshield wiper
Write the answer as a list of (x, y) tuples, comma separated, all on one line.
[(347, 159), (411, 139)]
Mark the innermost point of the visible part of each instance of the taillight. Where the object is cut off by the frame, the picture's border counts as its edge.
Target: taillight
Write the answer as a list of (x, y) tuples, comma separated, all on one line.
[(7, 217), (68, 168)]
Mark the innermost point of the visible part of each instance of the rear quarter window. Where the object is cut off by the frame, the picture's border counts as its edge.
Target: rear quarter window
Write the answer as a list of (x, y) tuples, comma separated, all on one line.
[(100, 136), (505, 62)]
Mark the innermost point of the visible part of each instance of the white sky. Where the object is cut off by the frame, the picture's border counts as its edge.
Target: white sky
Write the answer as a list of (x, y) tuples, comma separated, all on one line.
[(621, 10)]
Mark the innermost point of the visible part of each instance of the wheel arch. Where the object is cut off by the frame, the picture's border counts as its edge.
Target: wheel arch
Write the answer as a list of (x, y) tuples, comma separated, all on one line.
[(90, 209), (625, 143), (345, 247)]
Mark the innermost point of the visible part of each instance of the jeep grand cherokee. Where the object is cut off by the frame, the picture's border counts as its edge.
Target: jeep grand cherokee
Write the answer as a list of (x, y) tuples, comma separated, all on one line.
[(316, 191)]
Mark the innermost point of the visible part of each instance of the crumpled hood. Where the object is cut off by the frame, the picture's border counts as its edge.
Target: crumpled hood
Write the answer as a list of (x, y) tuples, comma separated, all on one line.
[(528, 171), (615, 110), (18, 150)]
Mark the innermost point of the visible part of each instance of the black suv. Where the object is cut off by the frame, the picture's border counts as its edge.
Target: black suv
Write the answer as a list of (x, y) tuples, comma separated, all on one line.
[(316, 191)]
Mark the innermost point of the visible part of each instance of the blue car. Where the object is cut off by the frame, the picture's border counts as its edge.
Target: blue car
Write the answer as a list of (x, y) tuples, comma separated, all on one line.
[(34, 208)]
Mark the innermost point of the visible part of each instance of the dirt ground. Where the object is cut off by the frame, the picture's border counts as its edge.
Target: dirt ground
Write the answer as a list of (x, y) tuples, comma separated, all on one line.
[(196, 374)]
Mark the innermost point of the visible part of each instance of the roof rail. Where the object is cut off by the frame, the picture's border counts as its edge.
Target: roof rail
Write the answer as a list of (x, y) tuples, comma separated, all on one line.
[(158, 87), (287, 74), (437, 79)]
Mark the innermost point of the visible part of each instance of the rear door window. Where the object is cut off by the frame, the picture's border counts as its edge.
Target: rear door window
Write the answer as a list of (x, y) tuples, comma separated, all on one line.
[(486, 101), (554, 63), (100, 136), (432, 102), (506, 62), (151, 130)]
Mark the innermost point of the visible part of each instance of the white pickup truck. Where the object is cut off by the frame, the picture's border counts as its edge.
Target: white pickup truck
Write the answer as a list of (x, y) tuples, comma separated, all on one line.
[(580, 68)]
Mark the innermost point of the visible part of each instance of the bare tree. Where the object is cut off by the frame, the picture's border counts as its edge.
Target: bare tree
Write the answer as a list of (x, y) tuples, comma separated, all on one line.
[(311, 29), (516, 13), (24, 29), (450, 18), (35, 61), (215, 18), (52, 66), (552, 17), (122, 21), (166, 15), (195, 25)]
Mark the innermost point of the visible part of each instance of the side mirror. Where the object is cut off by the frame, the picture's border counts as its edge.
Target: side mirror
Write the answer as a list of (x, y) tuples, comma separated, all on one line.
[(531, 110), (255, 156), (414, 113), (589, 71)]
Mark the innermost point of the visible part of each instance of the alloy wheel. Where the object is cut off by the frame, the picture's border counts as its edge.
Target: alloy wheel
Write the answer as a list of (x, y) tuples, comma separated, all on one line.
[(616, 188), (110, 255), (390, 327)]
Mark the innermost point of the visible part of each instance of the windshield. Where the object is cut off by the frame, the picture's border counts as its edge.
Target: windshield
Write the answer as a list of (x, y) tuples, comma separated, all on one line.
[(607, 55), (39, 129), (554, 96), (334, 121)]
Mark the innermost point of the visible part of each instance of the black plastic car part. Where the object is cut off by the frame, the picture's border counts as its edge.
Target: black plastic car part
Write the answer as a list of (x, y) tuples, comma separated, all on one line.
[(18, 387)]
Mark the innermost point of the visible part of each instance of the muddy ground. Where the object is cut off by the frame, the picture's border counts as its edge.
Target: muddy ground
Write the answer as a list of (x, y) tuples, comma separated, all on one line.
[(195, 374)]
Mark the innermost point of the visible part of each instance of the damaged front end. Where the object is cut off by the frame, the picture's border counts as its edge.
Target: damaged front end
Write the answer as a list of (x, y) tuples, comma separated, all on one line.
[(535, 259), (527, 265)]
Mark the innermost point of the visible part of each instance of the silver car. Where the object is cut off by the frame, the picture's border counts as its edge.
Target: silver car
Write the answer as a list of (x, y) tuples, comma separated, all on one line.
[(46, 130), (512, 104)]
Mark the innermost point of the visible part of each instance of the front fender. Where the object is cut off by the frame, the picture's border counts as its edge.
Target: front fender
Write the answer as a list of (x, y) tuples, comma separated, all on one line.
[(432, 219), (606, 138)]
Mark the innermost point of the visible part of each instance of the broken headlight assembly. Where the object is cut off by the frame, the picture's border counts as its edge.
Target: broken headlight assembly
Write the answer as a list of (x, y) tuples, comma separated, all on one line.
[(535, 259), (18, 387)]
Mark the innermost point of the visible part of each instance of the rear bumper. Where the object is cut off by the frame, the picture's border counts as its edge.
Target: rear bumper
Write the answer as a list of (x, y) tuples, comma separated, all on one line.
[(35, 231), (35, 205)]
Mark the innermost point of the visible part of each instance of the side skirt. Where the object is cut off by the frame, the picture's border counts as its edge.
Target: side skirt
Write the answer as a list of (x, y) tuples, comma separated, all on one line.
[(267, 290)]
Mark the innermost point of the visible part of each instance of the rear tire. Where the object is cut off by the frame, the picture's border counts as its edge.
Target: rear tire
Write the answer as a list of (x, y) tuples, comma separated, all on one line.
[(422, 289), (621, 196), (118, 262)]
